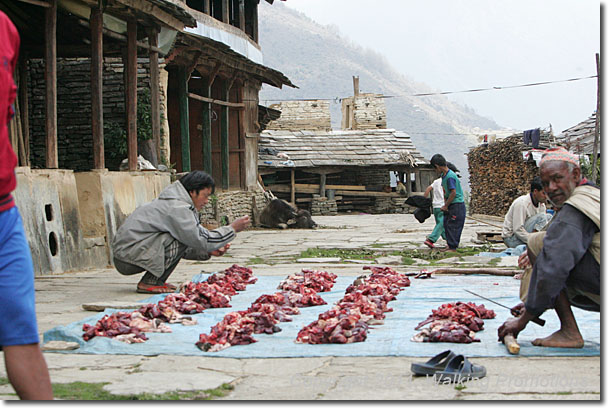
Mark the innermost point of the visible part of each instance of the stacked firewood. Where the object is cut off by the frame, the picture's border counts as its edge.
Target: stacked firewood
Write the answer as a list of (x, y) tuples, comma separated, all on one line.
[(498, 175)]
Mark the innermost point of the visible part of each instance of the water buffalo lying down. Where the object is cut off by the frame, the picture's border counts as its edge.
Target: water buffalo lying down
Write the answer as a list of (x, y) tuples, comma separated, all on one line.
[(281, 214)]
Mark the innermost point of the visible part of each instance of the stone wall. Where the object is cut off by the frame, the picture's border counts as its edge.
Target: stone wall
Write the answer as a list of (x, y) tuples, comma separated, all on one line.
[(225, 207), (321, 205), (364, 112), (74, 139), (302, 115)]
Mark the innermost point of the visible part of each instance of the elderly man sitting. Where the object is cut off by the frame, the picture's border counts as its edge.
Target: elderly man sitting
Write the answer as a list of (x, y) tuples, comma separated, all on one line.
[(565, 258)]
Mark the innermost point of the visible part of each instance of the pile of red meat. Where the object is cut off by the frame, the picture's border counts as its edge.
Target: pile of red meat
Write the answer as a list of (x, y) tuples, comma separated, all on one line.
[(319, 281), (237, 328), (193, 298), (365, 302), (454, 323)]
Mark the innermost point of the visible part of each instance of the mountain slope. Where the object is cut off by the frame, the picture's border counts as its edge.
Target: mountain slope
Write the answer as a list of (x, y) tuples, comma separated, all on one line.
[(321, 63)]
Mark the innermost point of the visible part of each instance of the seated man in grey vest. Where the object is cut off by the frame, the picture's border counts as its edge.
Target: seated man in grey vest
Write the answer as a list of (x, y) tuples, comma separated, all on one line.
[(566, 257), (526, 214)]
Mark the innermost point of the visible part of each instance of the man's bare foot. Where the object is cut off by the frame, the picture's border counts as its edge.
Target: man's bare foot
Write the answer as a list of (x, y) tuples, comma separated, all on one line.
[(561, 339)]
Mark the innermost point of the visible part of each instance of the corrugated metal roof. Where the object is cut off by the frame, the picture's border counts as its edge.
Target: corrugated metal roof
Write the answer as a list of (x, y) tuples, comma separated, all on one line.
[(579, 139), (343, 148)]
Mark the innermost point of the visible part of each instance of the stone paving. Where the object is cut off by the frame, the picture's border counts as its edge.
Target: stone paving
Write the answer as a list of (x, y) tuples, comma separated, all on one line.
[(274, 252)]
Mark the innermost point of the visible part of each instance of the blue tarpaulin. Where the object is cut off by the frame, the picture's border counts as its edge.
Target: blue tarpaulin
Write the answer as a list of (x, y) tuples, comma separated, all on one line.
[(393, 338)]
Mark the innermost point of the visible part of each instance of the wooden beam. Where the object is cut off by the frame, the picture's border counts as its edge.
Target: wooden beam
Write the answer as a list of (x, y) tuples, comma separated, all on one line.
[(23, 102), (206, 131), (217, 102), (155, 95), (242, 15), (132, 95), (121, 37), (322, 184), (292, 187), (184, 118), (597, 114), (225, 11), (255, 22), (214, 73), (38, 3), (224, 138), (97, 102), (152, 10), (51, 84)]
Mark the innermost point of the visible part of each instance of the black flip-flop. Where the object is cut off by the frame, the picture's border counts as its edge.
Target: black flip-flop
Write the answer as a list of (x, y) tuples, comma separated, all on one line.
[(459, 370), (437, 363)]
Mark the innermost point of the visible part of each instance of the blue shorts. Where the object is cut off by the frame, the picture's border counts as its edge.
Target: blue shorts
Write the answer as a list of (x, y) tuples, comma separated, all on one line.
[(17, 306)]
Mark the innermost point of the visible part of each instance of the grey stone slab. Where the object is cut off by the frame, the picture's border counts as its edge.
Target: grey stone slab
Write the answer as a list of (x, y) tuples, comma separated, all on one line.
[(167, 381)]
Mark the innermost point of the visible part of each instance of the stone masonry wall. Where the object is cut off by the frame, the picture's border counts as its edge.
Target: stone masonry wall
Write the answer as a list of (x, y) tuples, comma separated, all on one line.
[(74, 139), (302, 115), (229, 206), (369, 112)]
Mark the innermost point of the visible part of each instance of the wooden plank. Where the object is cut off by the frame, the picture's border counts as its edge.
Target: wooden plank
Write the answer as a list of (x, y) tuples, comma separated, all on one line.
[(37, 3), (224, 136), (50, 77), (132, 95), (184, 118), (242, 15), (155, 94), (330, 186), (217, 102), (23, 103), (97, 102), (292, 187), (206, 132)]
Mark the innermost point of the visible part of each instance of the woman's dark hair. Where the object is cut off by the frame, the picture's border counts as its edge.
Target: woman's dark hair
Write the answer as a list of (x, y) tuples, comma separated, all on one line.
[(196, 181), (438, 159), (536, 184), (452, 167)]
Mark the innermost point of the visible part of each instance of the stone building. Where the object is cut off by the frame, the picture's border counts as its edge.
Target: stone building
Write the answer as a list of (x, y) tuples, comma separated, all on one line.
[(175, 81)]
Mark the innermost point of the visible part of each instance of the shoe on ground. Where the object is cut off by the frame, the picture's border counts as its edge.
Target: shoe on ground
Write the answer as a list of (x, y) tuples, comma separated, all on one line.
[(429, 243)]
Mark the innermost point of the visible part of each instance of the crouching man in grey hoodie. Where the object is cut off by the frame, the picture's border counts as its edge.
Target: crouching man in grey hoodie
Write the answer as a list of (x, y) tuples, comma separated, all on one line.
[(158, 234)]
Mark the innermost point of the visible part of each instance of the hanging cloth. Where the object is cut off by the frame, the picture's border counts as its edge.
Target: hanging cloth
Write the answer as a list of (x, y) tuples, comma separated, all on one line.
[(532, 136)]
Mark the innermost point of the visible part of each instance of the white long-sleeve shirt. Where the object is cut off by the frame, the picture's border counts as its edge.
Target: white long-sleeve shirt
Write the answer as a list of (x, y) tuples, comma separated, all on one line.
[(520, 210)]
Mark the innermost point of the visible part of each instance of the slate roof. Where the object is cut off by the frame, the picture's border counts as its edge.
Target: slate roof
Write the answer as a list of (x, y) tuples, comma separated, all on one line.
[(579, 138), (337, 148)]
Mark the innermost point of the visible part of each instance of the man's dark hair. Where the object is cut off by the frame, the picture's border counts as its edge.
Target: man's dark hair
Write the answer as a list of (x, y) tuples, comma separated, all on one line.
[(196, 181), (536, 184), (438, 159)]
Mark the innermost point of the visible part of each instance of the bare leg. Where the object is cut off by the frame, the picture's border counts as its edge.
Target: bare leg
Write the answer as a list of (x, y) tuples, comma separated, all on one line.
[(568, 335), (27, 371)]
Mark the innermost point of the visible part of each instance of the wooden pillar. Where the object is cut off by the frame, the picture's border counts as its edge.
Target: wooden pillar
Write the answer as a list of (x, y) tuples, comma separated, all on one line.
[(597, 114), (23, 105), (97, 102), (408, 181), (225, 11), (255, 22), (242, 15), (155, 97), (50, 77), (206, 131), (322, 184), (206, 7), (356, 86), (292, 187), (184, 118), (132, 95), (224, 137)]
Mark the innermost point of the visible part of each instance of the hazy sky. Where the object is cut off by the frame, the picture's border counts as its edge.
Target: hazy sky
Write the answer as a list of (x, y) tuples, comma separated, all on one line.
[(454, 45)]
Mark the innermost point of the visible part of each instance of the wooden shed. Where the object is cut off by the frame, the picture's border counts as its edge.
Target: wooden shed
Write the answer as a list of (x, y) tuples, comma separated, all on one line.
[(343, 169)]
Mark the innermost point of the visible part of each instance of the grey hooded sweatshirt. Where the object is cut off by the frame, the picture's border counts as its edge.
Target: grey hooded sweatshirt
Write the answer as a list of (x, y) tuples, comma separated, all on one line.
[(141, 240)]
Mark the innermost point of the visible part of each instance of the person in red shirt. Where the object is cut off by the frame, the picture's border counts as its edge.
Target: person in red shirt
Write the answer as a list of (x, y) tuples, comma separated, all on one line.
[(25, 365)]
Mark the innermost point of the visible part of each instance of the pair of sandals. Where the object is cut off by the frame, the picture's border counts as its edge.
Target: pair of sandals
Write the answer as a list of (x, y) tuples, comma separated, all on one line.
[(448, 366)]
